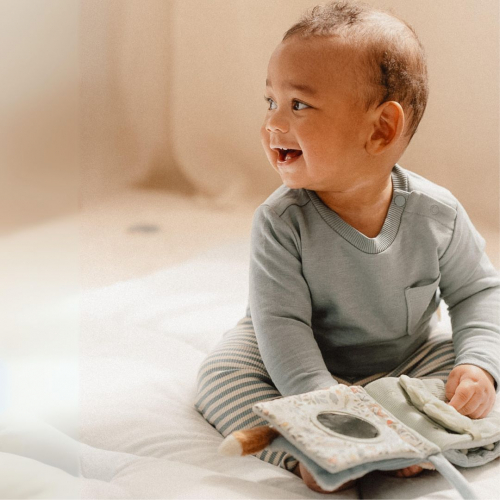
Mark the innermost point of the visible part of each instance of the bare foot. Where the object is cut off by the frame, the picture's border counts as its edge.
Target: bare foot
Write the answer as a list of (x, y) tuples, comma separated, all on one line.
[(303, 473), (413, 470)]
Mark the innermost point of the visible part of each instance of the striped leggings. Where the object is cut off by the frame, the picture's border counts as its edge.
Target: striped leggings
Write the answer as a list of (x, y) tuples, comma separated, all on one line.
[(233, 378)]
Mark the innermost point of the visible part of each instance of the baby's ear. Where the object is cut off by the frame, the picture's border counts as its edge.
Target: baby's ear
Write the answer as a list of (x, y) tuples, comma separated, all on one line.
[(388, 127)]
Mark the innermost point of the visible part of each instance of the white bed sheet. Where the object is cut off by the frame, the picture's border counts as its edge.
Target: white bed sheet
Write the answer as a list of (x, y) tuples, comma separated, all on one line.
[(134, 432)]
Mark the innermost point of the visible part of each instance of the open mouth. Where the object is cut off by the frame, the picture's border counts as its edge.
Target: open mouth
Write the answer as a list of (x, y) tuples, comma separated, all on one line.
[(288, 154)]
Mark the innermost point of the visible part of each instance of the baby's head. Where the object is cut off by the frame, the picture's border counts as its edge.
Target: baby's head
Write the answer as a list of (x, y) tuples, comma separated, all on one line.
[(346, 87)]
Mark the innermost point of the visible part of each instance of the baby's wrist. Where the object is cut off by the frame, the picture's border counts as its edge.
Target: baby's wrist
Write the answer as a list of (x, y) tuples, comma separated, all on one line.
[(489, 376)]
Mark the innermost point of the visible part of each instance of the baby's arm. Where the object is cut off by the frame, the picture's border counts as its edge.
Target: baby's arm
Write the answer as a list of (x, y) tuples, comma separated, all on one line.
[(281, 309), (470, 286)]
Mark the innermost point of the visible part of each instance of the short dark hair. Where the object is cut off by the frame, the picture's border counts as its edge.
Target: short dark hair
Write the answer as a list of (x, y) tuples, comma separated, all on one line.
[(393, 59)]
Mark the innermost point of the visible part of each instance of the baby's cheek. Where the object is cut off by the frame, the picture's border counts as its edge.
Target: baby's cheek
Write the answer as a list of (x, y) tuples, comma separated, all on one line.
[(264, 136)]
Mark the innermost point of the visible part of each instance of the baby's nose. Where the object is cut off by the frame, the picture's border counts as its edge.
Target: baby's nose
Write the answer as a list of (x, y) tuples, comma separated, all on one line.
[(277, 122)]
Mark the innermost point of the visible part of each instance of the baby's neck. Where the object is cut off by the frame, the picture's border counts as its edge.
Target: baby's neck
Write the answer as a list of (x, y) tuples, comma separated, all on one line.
[(365, 210)]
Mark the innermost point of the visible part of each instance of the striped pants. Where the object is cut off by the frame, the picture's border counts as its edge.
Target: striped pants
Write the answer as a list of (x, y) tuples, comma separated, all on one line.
[(233, 378)]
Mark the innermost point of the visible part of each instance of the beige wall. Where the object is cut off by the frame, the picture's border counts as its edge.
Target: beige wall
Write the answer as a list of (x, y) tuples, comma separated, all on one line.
[(171, 98), (38, 110)]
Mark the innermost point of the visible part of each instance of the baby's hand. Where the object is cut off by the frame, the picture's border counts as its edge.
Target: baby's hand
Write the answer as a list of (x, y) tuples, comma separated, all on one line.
[(471, 391)]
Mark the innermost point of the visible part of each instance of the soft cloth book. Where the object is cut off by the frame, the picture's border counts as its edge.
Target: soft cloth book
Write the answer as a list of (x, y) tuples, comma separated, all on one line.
[(344, 432)]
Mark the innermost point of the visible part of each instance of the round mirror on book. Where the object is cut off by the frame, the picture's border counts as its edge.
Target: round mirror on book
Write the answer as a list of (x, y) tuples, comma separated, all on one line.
[(347, 425)]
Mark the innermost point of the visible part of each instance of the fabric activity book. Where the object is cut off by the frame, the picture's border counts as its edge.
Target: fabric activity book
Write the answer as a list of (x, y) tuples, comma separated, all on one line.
[(344, 432)]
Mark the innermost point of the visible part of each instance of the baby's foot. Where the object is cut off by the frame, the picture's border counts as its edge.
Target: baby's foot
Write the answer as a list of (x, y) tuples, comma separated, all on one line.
[(303, 473), (413, 470)]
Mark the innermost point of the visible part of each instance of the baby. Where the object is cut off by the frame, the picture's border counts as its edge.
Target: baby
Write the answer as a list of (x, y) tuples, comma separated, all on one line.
[(351, 256)]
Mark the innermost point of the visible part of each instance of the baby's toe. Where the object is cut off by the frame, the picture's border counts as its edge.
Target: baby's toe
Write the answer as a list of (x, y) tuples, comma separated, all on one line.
[(411, 471), (308, 479)]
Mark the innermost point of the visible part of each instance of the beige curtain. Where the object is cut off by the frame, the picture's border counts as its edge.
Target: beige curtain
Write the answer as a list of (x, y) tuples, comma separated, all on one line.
[(173, 95)]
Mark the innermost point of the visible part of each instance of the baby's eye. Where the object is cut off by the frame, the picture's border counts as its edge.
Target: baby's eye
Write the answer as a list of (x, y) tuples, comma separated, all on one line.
[(272, 104), (298, 106)]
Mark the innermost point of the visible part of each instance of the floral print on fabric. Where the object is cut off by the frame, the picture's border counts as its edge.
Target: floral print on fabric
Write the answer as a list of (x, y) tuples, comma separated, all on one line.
[(296, 418)]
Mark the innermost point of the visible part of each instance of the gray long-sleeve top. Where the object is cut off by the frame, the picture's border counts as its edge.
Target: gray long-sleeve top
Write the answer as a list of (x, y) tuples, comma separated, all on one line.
[(326, 300)]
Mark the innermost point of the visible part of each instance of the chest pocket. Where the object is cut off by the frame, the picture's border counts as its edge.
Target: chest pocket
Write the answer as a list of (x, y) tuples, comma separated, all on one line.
[(419, 299)]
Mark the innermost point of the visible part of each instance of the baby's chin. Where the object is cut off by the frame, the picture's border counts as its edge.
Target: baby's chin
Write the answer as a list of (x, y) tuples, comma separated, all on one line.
[(292, 184), (287, 179)]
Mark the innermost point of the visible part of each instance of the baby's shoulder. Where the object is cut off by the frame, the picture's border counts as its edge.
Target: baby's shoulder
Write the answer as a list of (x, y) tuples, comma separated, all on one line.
[(284, 197), (432, 191), (431, 200)]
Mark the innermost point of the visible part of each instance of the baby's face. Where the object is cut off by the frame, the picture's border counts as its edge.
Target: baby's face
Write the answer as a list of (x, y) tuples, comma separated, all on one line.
[(315, 128)]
